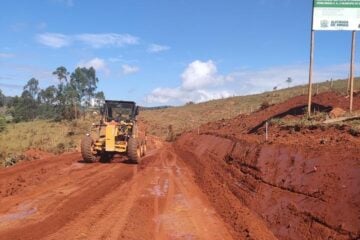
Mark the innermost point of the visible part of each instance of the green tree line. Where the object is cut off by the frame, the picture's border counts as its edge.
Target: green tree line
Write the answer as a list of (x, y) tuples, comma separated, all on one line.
[(67, 100)]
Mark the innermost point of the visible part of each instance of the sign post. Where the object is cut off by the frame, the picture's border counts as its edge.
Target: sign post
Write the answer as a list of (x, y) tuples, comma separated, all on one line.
[(335, 15), (311, 71), (352, 70), (312, 39)]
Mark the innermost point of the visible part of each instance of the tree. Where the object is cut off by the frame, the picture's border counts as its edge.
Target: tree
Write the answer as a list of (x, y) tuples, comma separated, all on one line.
[(48, 96), (63, 99), (23, 108), (2, 123), (61, 73), (71, 101), (47, 100), (99, 98), (32, 87), (84, 80), (289, 80), (2, 99), (59, 102), (83, 84)]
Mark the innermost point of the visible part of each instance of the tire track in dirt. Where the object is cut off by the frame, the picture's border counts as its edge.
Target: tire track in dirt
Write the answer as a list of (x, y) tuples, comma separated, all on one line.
[(107, 216), (57, 207), (72, 200), (181, 211)]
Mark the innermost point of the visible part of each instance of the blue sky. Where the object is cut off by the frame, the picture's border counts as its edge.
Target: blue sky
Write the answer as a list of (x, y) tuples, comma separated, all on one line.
[(167, 51)]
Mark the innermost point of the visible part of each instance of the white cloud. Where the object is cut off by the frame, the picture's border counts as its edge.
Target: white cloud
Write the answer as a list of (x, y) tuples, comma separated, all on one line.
[(54, 40), (164, 95), (206, 95), (201, 81), (197, 84), (200, 74), (6, 55), (107, 39), (259, 80), (156, 48), (97, 63), (176, 95), (58, 40), (128, 69)]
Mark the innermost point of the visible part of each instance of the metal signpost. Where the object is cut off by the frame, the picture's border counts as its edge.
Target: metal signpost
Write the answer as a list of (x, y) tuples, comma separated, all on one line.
[(335, 15)]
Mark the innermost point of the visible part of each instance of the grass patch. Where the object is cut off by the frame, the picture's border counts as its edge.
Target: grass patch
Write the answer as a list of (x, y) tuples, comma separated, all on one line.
[(49, 136)]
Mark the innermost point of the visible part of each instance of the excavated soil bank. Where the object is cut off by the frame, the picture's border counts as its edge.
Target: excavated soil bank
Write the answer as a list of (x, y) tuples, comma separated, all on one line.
[(297, 193), (302, 184)]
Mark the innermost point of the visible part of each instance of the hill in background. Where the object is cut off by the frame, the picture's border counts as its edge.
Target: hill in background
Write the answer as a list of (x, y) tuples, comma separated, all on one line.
[(191, 116)]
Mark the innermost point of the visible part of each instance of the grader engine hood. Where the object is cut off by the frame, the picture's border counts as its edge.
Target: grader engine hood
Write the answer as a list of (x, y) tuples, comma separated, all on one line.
[(116, 136), (110, 133)]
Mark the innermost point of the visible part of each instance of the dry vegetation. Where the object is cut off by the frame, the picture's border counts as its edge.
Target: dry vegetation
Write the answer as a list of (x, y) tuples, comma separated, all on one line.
[(49, 136), (193, 115)]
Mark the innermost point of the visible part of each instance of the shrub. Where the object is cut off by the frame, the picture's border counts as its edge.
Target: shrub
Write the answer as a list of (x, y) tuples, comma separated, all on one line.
[(60, 148), (170, 134), (12, 159), (264, 105), (2, 123)]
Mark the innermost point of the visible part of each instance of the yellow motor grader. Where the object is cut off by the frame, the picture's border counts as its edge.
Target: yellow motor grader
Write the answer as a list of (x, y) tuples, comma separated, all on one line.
[(117, 133)]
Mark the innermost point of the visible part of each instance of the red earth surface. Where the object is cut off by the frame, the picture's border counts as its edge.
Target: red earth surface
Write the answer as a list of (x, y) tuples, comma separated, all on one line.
[(225, 183)]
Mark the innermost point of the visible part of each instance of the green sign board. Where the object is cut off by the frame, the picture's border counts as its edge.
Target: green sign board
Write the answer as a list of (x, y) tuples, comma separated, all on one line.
[(336, 15), (337, 3)]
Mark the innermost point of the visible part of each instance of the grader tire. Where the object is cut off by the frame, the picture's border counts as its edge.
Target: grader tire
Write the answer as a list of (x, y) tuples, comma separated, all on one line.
[(141, 150), (134, 150), (144, 148), (86, 152)]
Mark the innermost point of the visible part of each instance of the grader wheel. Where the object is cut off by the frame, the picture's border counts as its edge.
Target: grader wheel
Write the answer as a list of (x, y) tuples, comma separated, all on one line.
[(86, 149), (134, 150), (143, 148)]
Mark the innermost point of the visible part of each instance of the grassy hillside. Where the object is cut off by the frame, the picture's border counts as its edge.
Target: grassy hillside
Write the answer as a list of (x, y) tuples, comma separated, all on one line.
[(191, 116), (55, 137)]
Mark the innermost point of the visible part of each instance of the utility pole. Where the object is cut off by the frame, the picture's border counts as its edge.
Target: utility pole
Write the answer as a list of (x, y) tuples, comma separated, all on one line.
[(311, 72), (352, 70), (311, 61)]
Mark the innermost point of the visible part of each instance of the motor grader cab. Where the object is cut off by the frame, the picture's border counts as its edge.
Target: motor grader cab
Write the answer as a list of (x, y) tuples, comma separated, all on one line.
[(117, 133)]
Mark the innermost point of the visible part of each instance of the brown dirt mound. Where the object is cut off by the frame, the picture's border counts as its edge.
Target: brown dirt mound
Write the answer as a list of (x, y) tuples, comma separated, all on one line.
[(242, 125), (337, 112), (302, 184), (323, 102)]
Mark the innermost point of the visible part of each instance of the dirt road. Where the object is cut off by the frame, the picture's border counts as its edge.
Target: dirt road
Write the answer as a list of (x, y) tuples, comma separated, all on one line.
[(63, 198)]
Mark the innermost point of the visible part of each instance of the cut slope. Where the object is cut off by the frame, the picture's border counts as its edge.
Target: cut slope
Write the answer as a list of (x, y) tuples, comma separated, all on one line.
[(303, 184)]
